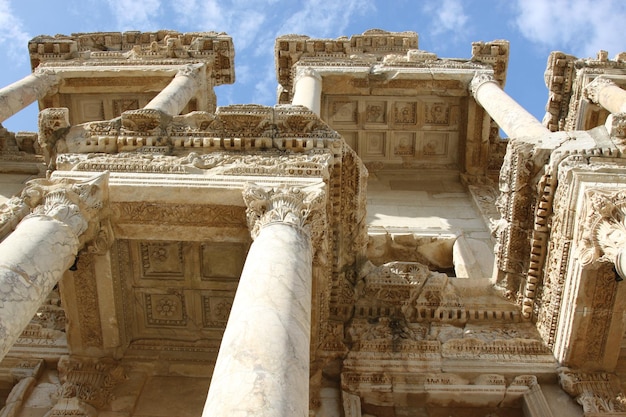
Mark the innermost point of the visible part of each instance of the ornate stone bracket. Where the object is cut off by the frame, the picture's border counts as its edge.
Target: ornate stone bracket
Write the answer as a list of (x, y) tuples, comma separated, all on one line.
[(53, 125), (285, 204), (603, 229), (597, 393)]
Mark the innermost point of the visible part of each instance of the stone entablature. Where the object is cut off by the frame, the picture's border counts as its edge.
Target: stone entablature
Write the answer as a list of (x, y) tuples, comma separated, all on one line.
[(567, 78), (137, 48), (392, 52)]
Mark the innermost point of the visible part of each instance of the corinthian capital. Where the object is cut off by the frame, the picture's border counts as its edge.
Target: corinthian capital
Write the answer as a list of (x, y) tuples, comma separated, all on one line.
[(287, 204), (479, 79), (302, 72), (592, 90), (191, 70), (603, 231), (77, 204)]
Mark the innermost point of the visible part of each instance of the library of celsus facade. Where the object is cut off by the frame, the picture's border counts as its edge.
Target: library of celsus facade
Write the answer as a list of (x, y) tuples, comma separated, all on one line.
[(396, 237)]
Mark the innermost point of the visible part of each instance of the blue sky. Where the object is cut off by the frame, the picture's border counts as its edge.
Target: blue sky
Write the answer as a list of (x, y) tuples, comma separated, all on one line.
[(445, 27)]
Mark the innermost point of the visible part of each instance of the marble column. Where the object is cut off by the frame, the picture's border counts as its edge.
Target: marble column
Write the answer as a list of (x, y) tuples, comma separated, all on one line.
[(20, 94), (173, 98), (308, 89), (606, 93), (42, 247), (512, 118), (262, 368)]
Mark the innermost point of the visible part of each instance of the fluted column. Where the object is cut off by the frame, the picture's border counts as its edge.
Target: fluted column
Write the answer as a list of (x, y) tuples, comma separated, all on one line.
[(20, 94), (308, 89), (507, 113), (173, 98), (262, 368), (42, 247), (606, 93)]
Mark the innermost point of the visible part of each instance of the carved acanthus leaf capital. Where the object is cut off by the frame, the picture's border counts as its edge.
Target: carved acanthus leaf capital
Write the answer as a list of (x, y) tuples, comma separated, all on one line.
[(287, 204), (603, 229), (596, 392), (77, 204), (592, 90), (479, 79)]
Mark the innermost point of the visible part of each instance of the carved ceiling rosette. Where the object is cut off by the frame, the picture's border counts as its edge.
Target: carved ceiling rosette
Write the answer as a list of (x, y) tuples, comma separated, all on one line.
[(297, 206), (603, 229)]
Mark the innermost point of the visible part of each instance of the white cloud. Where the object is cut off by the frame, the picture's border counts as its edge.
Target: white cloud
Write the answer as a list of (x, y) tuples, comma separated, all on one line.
[(449, 16), (135, 15), (13, 37), (323, 18), (580, 27)]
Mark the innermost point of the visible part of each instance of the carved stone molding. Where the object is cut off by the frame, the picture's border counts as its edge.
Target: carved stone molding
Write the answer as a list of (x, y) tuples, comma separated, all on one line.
[(295, 206), (592, 90), (597, 393)]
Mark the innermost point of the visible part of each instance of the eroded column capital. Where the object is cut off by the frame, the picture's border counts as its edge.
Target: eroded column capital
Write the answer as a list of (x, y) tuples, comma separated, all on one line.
[(77, 204), (596, 392), (592, 90), (479, 79), (302, 72), (286, 204), (48, 75), (191, 71)]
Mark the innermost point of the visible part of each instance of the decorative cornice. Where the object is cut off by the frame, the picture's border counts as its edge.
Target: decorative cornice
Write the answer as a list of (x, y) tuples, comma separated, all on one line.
[(291, 205)]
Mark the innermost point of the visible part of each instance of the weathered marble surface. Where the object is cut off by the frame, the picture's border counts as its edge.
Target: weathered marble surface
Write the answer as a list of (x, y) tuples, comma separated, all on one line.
[(507, 113), (173, 98), (32, 260), (263, 365), (20, 94)]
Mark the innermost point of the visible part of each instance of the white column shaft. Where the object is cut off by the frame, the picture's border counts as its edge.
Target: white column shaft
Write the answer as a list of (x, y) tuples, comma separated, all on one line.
[(32, 260), (173, 98), (308, 91), (612, 98), (22, 93), (262, 369), (512, 118)]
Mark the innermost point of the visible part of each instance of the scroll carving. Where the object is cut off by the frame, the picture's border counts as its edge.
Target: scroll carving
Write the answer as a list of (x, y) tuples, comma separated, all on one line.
[(283, 204), (603, 230)]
